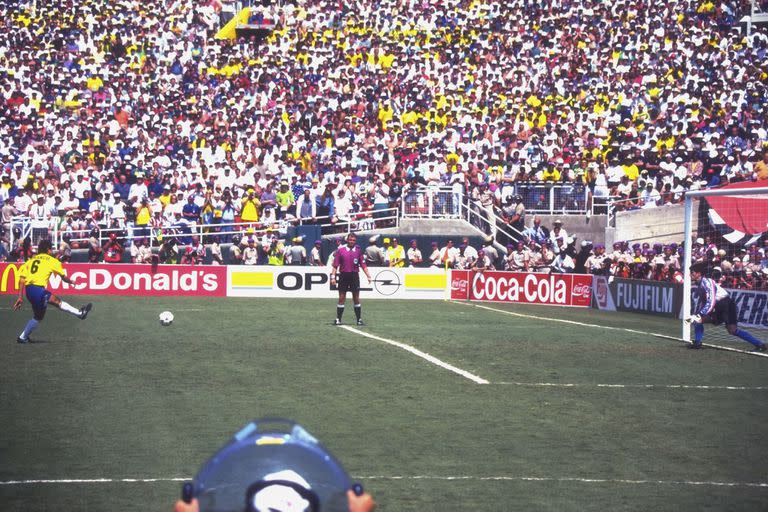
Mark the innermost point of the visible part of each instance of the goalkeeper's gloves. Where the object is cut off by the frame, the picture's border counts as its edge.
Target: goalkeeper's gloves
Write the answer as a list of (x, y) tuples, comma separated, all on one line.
[(695, 319)]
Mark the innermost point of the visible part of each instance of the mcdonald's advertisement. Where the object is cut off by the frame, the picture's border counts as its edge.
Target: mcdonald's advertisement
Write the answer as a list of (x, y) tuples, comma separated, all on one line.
[(144, 280)]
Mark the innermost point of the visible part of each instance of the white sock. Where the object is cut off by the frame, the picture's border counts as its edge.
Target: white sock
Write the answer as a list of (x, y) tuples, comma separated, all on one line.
[(69, 309), (31, 326)]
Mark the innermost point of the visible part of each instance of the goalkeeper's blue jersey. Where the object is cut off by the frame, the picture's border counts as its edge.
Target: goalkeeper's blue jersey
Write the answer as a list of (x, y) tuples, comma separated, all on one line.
[(709, 293)]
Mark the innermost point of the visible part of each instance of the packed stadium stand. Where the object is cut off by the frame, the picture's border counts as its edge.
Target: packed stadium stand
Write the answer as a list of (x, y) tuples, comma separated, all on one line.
[(146, 122)]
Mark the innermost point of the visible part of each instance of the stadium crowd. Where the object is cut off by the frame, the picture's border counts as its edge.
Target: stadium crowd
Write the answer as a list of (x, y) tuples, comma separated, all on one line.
[(130, 115)]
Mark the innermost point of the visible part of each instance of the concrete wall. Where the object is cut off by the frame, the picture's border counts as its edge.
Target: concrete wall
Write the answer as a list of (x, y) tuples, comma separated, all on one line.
[(582, 227), (662, 224), (442, 227)]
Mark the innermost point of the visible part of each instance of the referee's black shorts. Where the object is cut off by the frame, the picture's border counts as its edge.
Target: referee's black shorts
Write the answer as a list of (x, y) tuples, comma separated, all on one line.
[(725, 312), (349, 282)]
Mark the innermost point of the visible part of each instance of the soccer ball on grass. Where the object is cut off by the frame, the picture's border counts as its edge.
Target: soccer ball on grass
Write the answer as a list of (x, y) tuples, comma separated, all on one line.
[(166, 318)]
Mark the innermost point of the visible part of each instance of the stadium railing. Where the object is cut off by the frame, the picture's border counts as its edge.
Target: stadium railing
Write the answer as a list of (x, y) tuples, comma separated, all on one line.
[(357, 221), (491, 221), (554, 198), (432, 203), (24, 224), (443, 203)]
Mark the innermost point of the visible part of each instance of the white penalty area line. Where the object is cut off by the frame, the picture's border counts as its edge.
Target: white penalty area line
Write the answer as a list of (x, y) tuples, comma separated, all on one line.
[(479, 380), (610, 328), (631, 386), (569, 479), (499, 478), (432, 359), (93, 481)]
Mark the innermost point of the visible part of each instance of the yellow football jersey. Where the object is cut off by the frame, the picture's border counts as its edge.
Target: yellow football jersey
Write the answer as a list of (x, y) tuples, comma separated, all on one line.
[(39, 268)]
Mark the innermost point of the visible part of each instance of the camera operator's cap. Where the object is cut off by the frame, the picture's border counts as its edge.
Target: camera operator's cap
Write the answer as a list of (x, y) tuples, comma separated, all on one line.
[(269, 457), (386, 240), (373, 239), (557, 222)]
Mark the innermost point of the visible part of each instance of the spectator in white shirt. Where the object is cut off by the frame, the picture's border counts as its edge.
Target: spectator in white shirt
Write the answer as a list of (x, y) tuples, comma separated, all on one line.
[(558, 237), (650, 196)]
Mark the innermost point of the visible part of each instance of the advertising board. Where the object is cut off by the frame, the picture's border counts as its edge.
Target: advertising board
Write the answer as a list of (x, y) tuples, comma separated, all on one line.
[(314, 282), (495, 286), (127, 279)]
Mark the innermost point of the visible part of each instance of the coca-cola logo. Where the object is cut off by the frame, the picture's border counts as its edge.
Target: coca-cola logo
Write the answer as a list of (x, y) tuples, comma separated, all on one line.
[(511, 287), (459, 285), (581, 290)]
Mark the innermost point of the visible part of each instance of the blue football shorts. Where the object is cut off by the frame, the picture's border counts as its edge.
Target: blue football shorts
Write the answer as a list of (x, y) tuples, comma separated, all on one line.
[(38, 297)]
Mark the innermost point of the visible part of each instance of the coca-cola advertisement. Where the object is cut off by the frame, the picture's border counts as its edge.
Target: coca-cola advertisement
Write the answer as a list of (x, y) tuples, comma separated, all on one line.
[(552, 289), (460, 284), (144, 280)]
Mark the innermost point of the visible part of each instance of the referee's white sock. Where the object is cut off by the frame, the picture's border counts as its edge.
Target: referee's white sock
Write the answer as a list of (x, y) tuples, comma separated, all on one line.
[(31, 326), (69, 309)]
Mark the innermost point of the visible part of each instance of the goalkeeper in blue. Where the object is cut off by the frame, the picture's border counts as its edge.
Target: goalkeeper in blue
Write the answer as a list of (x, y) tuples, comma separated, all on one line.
[(716, 307)]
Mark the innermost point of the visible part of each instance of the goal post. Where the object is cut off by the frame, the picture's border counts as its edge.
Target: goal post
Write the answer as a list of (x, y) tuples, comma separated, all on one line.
[(736, 217)]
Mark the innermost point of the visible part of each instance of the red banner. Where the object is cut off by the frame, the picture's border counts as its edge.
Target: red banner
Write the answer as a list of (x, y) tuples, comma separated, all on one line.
[(143, 280), (747, 214), (552, 289)]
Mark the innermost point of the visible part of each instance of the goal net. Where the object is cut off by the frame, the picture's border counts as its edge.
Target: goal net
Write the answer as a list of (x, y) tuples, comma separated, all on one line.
[(727, 230)]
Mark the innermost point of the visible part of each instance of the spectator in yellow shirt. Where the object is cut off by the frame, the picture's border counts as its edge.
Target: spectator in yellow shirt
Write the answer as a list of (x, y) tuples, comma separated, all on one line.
[(249, 211), (396, 254), (550, 174)]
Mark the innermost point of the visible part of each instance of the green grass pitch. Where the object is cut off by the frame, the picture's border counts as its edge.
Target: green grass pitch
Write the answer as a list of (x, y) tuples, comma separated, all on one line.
[(118, 396)]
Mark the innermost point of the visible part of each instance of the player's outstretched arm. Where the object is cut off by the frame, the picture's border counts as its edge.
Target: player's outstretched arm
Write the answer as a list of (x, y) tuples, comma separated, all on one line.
[(67, 280), (20, 299)]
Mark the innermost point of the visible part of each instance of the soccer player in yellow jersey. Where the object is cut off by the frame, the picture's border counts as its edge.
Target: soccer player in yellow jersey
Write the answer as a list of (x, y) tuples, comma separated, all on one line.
[(34, 279)]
